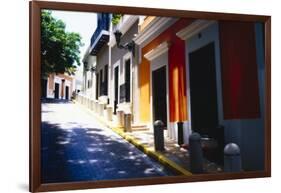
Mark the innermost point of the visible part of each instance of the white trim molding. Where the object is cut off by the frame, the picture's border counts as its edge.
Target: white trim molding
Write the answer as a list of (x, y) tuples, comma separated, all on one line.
[(160, 49), (156, 26), (116, 64), (124, 25), (127, 22), (194, 28)]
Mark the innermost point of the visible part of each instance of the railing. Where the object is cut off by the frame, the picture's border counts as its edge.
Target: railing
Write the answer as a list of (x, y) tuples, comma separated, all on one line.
[(102, 24)]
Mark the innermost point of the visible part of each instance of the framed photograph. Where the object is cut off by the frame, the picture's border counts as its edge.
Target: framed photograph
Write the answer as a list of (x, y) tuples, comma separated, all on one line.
[(126, 96)]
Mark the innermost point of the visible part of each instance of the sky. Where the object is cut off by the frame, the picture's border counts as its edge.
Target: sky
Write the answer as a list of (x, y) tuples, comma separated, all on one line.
[(83, 23)]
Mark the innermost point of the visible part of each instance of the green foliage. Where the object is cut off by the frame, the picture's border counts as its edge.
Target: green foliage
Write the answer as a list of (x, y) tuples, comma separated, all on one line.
[(116, 18), (59, 49)]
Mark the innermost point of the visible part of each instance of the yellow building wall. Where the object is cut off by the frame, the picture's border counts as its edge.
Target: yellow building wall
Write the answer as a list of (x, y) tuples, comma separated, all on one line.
[(177, 77), (144, 82)]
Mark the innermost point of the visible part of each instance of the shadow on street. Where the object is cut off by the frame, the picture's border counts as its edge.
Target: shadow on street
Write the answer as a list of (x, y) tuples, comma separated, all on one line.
[(78, 152)]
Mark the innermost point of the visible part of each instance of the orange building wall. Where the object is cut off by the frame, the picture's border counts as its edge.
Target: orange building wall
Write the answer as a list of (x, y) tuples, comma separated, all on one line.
[(144, 81), (177, 84)]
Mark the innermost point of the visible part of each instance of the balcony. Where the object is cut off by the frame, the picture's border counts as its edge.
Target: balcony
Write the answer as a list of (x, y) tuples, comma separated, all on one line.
[(101, 34)]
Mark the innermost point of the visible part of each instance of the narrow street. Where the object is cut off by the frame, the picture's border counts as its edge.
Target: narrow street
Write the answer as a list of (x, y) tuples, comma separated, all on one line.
[(75, 147)]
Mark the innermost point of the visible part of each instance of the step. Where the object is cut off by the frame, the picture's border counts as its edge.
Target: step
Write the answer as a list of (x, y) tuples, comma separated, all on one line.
[(139, 128)]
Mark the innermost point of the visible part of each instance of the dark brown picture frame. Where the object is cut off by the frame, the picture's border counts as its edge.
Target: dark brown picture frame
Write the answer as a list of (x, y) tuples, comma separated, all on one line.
[(35, 103)]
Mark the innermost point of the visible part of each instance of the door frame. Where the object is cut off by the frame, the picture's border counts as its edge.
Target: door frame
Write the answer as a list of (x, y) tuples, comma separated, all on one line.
[(59, 90), (214, 82), (210, 31), (116, 64), (160, 50), (128, 56), (167, 91), (67, 94)]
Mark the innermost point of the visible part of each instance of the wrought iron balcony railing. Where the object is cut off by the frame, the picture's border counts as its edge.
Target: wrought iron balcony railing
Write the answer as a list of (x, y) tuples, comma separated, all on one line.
[(101, 34)]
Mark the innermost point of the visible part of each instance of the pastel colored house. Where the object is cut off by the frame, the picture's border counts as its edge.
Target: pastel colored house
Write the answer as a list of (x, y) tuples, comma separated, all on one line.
[(208, 76), (199, 75), (123, 70), (58, 86), (89, 75)]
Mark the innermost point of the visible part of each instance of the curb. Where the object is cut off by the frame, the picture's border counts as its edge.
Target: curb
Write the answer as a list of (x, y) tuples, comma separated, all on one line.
[(145, 149)]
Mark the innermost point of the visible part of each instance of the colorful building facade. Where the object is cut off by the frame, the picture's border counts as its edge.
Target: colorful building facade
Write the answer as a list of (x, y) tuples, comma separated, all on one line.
[(58, 86), (196, 75), (214, 76)]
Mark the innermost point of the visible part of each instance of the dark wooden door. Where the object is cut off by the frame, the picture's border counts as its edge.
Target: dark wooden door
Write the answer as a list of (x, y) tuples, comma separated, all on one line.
[(67, 93), (57, 89), (159, 93), (116, 87), (128, 80), (44, 88), (203, 91)]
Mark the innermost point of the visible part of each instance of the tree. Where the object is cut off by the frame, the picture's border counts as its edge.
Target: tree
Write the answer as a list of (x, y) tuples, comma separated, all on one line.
[(59, 49)]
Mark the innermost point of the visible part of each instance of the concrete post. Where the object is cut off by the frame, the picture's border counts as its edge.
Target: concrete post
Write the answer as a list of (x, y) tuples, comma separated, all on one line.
[(221, 144), (92, 105), (100, 109), (109, 113), (95, 106), (127, 122), (119, 117), (232, 158), (180, 133), (159, 135), (196, 153)]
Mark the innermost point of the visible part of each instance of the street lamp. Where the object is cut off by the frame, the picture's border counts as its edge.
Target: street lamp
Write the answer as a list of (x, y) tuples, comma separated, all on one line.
[(93, 69), (86, 68), (128, 46)]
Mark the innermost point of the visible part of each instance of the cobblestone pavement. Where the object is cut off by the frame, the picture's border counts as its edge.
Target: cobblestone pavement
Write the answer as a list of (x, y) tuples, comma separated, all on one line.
[(75, 147)]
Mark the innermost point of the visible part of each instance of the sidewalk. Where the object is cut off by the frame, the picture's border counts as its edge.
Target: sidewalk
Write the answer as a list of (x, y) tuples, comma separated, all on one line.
[(174, 157)]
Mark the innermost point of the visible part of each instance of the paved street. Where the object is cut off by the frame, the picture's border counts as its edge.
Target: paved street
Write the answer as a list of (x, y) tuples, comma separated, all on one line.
[(75, 147)]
